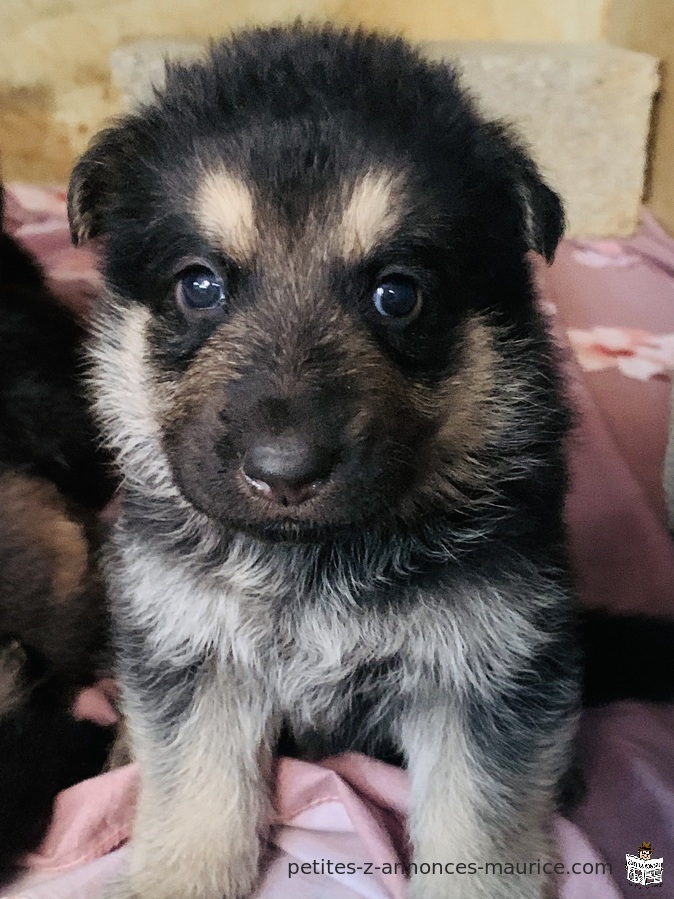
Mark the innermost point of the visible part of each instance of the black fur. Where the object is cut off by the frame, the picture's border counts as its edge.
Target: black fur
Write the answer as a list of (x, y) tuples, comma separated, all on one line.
[(43, 750), (47, 428)]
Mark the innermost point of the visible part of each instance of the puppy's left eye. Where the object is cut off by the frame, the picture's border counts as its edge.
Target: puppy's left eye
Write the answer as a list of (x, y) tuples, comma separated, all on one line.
[(201, 288), (396, 296)]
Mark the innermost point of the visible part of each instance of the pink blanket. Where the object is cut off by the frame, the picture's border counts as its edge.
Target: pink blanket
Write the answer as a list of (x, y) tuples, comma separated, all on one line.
[(339, 828), (338, 834)]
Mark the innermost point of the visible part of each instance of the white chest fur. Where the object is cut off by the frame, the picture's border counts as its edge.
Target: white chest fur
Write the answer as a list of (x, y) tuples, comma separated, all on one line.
[(305, 652)]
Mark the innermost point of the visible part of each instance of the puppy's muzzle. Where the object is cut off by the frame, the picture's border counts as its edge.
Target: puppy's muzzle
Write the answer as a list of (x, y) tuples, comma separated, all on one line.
[(287, 469)]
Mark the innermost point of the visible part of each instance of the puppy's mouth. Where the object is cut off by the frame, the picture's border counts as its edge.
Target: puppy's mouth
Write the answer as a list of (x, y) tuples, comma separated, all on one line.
[(291, 510), (313, 511), (284, 494), (336, 511), (292, 531)]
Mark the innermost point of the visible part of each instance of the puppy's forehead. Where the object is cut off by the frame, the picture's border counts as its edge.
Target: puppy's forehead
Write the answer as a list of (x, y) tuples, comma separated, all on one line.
[(354, 215)]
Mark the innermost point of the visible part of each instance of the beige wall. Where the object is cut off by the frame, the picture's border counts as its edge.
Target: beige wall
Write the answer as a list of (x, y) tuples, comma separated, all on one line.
[(54, 89), (498, 20), (648, 25)]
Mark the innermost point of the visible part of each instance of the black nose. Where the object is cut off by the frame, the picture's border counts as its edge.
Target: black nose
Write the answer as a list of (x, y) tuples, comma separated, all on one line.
[(287, 469)]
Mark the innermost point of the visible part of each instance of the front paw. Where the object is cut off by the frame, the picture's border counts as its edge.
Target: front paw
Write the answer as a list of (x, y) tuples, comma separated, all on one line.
[(119, 888), (125, 888)]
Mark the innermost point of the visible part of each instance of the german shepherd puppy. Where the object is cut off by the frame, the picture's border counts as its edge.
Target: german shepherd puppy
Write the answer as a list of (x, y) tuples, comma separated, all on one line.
[(334, 403)]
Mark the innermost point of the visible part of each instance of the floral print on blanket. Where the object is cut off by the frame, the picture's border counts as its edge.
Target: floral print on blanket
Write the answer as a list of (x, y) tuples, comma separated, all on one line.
[(605, 254), (637, 354)]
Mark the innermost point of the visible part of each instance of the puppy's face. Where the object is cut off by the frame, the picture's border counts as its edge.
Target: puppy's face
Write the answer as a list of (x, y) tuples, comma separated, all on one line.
[(319, 281)]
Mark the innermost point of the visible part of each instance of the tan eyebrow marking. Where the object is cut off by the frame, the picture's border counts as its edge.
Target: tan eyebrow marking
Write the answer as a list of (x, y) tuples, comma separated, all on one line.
[(224, 209), (373, 212)]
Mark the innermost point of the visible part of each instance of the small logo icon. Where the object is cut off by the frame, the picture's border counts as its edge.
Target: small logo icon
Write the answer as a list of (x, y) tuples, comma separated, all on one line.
[(643, 869)]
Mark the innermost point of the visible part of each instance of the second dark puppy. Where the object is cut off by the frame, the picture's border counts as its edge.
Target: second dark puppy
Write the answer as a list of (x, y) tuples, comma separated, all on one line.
[(53, 620), (321, 366)]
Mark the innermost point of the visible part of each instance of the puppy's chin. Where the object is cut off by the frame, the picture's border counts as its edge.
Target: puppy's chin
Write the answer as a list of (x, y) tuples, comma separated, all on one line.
[(291, 527), (289, 531), (233, 509)]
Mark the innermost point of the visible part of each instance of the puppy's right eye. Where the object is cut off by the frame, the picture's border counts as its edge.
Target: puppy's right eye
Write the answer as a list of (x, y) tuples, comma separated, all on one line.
[(200, 288)]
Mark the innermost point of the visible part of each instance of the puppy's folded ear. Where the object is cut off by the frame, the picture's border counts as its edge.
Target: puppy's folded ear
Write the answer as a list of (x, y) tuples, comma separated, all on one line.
[(541, 213), (93, 184), (542, 210)]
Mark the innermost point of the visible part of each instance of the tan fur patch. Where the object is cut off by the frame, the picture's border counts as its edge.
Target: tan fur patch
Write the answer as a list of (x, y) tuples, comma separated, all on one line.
[(472, 408), (218, 361), (224, 209), (40, 515), (372, 213), (12, 660), (469, 396), (465, 401)]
